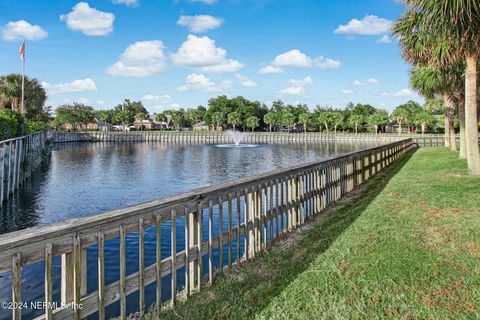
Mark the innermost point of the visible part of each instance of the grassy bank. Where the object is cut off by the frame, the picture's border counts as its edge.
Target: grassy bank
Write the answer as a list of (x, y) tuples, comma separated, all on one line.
[(406, 245)]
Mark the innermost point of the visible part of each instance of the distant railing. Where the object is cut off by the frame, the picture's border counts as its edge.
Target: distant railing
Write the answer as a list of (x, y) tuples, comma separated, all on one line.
[(249, 213), (431, 140), (19, 157)]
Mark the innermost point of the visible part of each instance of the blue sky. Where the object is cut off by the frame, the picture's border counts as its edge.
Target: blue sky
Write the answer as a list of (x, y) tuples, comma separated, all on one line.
[(180, 53)]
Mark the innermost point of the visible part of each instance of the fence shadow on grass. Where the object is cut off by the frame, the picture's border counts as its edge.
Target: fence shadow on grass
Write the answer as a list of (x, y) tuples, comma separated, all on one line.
[(246, 290)]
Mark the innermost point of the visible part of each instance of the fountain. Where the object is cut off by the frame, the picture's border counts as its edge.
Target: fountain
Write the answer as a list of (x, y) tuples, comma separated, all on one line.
[(237, 138)]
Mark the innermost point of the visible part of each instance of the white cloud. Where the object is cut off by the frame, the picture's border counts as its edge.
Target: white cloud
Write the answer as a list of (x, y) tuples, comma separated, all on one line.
[(204, 1), (270, 69), (372, 81), (202, 52), (302, 82), (370, 25), (200, 23), (245, 82), (292, 91), (199, 82), (128, 3), (384, 39), (403, 93), (89, 21), (74, 86), (157, 99), (347, 91), (358, 83), (297, 59), (141, 59), (21, 29)]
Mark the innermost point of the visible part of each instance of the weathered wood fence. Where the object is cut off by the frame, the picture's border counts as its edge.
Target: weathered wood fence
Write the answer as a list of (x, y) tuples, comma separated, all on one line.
[(19, 157), (252, 212), (430, 140)]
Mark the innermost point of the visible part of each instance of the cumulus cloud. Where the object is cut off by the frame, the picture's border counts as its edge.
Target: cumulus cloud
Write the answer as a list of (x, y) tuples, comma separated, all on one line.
[(74, 86), (140, 59), (359, 83), (347, 91), (245, 82), (202, 52), (21, 29), (200, 23), (89, 21), (370, 25), (270, 69), (403, 93), (297, 87), (199, 82), (372, 81), (385, 39), (128, 3), (297, 59)]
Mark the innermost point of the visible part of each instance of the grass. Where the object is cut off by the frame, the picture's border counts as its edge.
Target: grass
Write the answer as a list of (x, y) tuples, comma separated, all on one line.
[(405, 245)]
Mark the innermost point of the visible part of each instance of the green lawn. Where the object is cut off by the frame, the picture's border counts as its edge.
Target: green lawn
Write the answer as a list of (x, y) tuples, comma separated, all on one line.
[(406, 245)]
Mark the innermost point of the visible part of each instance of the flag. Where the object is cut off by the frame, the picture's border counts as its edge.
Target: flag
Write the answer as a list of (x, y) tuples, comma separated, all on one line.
[(22, 51)]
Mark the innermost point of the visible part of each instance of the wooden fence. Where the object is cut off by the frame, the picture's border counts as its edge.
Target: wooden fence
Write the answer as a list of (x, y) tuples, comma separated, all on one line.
[(19, 157), (430, 140), (255, 212)]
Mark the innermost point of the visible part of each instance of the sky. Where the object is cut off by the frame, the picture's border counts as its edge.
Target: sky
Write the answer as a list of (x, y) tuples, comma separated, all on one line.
[(181, 53)]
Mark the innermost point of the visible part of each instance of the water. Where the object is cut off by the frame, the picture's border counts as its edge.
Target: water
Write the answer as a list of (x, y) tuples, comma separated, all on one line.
[(83, 179)]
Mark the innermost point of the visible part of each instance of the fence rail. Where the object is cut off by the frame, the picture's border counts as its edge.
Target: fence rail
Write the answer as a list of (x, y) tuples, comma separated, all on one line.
[(250, 214), (430, 140), (19, 157)]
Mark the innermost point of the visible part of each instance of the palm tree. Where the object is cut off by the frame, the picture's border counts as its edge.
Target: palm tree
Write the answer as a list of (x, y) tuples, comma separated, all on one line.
[(400, 114), (379, 118), (356, 119), (336, 119), (288, 119), (442, 33), (140, 117), (304, 118), (217, 119), (252, 122), (423, 118), (270, 119), (234, 119), (104, 116), (324, 118), (430, 81)]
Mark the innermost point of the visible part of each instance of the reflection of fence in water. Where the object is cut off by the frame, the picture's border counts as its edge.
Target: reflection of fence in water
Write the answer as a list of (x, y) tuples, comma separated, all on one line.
[(208, 229)]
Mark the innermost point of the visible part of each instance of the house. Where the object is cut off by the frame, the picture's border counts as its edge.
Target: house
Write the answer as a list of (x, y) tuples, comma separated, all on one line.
[(151, 124), (201, 126), (94, 125)]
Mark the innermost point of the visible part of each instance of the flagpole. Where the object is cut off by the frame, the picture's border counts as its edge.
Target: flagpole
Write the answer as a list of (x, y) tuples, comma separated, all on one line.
[(23, 83)]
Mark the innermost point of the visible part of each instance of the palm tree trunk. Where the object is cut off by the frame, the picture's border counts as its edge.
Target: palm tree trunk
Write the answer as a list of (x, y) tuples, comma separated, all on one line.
[(270, 125), (450, 112), (356, 128), (399, 127), (471, 117), (447, 131), (463, 138)]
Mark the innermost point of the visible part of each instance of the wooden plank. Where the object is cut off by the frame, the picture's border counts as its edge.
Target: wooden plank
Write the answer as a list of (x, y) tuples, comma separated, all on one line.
[(238, 211), (230, 214), (188, 279), (220, 232), (16, 286), (199, 247), (77, 280), (123, 273), (141, 267), (158, 261), (101, 275), (210, 242), (48, 282), (174, 257), (246, 220)]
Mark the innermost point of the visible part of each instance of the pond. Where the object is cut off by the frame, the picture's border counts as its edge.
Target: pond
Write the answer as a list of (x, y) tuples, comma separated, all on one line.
[(87, 178)]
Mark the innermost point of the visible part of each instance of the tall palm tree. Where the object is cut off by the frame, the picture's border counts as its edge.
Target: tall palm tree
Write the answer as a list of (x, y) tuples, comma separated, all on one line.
[(270, 119), (235, 119), (356, 119), (447, 83), (304, 118), (441, 33)]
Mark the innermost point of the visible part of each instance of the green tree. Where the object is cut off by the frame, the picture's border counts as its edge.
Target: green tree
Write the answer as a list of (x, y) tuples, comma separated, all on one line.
[(324, 118), (440, 34), (336, 119), (218, 119), (356, 120), (288, 119), (139, 117), (424, 119), (253, 122), (401, 115), (270, 119), (304, 118), (234, 119), (379, 118), (76, 114), (127, 112)]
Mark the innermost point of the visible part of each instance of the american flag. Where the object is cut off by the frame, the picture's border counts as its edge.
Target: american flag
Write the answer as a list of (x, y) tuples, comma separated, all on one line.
[(22, 51)]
